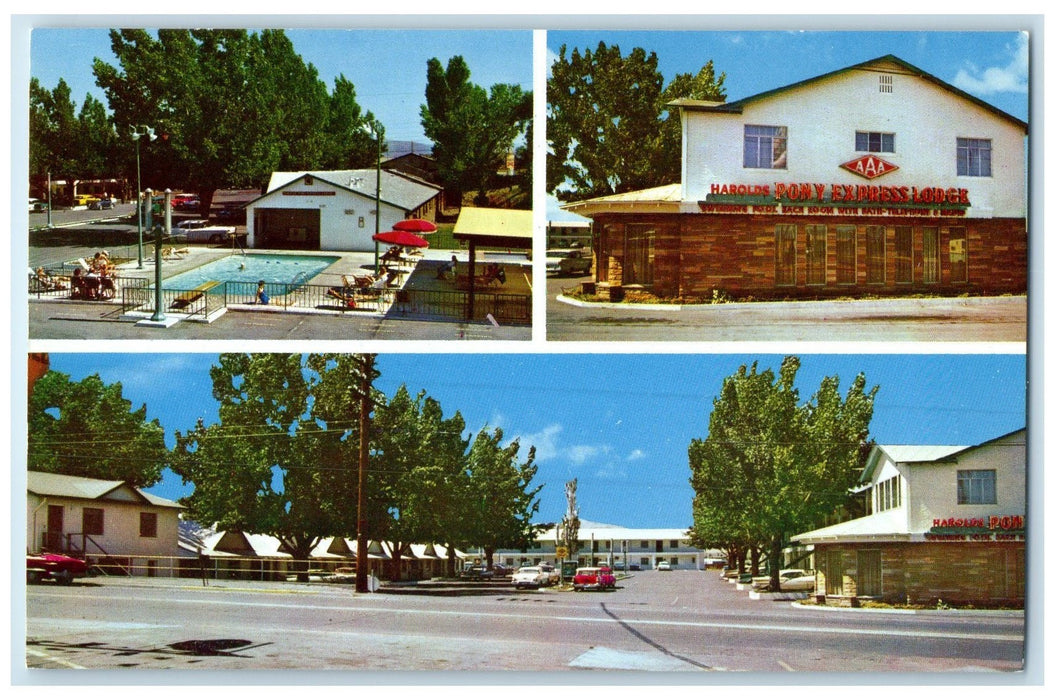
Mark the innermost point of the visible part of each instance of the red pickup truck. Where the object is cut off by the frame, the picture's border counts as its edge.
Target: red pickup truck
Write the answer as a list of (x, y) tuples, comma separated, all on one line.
[(593, 578), (54, 566)]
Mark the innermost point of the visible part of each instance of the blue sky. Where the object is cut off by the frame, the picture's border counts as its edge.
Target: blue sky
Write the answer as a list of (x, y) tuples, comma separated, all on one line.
[(620, 423), (991, 65), (388, 68)]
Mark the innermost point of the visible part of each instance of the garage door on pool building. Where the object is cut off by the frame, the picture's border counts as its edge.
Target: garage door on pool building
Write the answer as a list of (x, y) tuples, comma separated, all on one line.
[(287, 229)]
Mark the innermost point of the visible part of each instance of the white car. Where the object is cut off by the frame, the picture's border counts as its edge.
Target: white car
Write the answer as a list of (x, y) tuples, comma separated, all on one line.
[(568, 261), (201, 231), (663, 566), (797, 580), (530, 577)]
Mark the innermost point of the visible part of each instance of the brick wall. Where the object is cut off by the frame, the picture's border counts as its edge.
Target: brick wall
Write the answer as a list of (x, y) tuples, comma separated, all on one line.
[(736, 255), (925, 572)]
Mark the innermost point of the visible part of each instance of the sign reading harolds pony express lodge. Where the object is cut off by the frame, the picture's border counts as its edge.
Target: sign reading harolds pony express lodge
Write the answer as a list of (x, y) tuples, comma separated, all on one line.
[(814, 198)]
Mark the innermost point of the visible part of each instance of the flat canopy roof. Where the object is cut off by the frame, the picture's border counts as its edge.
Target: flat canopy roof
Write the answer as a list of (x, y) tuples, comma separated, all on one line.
[(508, 228)]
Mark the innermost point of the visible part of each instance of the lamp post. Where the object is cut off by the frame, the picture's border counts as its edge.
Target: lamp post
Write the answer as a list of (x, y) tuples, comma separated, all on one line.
[(136, 134), (49, 199), (373, 129)]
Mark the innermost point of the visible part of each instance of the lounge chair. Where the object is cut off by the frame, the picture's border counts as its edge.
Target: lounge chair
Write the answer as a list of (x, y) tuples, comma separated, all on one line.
[(187, 298), (359, 281), (343, 294)]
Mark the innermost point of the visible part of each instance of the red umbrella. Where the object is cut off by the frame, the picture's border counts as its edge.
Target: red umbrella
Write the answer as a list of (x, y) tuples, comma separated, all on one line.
[(401, 238), (415, 226)]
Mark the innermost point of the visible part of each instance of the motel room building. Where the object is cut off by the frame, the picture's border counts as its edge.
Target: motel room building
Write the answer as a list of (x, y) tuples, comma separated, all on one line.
[(616, 546), (942, 523), (876, 179), (335, 210), (111, 524)]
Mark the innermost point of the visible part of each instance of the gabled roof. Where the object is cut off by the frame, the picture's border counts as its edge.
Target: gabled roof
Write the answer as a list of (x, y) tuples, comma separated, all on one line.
[(874, 64), (62, 485), (407, 193), (921, 454)]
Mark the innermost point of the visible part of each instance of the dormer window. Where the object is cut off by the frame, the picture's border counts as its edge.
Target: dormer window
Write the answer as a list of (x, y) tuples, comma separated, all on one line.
[(874, 142)]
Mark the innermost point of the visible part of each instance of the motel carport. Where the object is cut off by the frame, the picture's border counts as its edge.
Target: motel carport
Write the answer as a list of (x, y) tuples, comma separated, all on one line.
[(491, 229)]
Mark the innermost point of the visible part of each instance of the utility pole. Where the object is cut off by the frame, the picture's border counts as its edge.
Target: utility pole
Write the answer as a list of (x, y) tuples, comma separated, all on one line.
[(362, 556)]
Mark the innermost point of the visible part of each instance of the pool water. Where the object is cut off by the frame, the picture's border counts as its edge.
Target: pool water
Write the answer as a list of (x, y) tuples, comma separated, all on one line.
[(284, 269)]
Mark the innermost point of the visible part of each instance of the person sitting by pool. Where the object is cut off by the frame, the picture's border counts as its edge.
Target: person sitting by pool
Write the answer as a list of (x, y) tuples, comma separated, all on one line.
[(451, 267), (46, 282), (85, 286), (101, 263), (261, 294)]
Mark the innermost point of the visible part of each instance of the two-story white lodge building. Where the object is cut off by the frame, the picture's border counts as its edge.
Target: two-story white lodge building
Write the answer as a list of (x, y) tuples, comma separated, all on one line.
[(876, 179), (943, 522)]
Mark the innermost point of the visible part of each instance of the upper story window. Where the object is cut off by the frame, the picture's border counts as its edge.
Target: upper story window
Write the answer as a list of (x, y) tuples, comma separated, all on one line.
[(886, 83), (765, 146), (874, 142), (975, 486), (92, 521), (888, 494), (974, 157), (148, 524)]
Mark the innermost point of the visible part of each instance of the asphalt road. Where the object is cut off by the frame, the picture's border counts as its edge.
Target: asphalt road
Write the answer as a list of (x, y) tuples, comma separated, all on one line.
[(683, 622), (960, 319)]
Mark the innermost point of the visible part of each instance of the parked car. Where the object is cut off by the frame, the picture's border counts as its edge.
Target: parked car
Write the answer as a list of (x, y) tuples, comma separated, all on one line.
[(593, 578), (797, 580), (201, 231), (186, 202), (83, 200), (663, 566), (102, 204), (568, 261), (530, 577), (57, 567), (635, 567), (501, 570), (477, 573), (343, 574)]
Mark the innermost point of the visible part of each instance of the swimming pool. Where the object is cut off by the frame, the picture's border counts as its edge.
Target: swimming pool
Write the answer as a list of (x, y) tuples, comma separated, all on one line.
[(273, 269)]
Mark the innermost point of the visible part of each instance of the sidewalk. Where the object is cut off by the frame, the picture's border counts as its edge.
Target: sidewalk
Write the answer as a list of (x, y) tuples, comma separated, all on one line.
[(68, 319)]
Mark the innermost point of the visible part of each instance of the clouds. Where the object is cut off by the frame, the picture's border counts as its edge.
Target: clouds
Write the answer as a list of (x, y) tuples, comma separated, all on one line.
[(600, 458), (1013, 77)]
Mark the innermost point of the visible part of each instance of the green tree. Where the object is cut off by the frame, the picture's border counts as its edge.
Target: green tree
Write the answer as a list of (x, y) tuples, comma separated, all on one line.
[(704, 85), (608, 125), (232, 106), (771, 467), (420, 458), (53, 130), (281, 460), (472, 130), (347, 144), (89, 429), (96, 141), (501, 497)]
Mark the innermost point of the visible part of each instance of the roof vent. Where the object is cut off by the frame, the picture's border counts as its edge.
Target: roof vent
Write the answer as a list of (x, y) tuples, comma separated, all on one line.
[(886, 83)]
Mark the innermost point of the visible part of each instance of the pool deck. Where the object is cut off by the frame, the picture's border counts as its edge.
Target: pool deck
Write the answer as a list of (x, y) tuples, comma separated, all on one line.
[(421, 277)]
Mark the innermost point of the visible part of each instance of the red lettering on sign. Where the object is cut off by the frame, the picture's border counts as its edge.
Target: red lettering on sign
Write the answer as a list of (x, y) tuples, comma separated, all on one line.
[(869, 166)]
